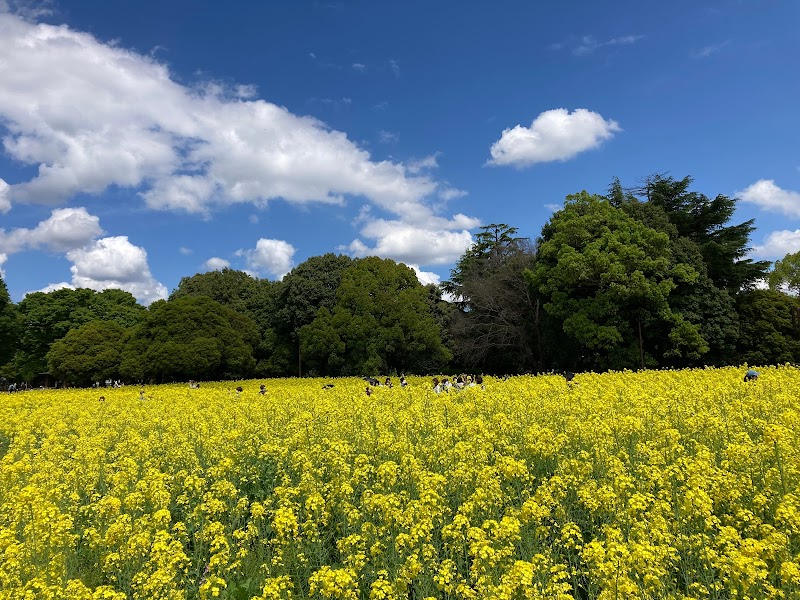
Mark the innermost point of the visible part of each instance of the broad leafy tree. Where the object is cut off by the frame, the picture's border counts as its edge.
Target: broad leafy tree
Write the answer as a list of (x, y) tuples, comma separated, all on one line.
[(607, 278), (770, 328), (89, 353), (786, 273), (381, 322), (47, 317), (190, 338), (9, 327), (309, 287)]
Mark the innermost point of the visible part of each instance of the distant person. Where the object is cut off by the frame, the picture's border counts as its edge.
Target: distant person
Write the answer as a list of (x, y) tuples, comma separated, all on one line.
[(262, 389), (388, 382), (368, 391), (141, 395), (403, 382), (751, 375), (437, 387)]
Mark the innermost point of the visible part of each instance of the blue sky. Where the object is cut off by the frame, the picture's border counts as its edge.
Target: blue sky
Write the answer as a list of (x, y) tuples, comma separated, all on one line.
[(145, 141)]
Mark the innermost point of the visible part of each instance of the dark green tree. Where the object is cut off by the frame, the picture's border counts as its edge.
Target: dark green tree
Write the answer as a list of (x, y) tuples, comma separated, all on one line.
[(309, 287), (88, 353), (705, 222), (607, 278), (47, 317), (191, 338), (497, 325), (770, 328), (381, 322), (9, 327), (249, 296)]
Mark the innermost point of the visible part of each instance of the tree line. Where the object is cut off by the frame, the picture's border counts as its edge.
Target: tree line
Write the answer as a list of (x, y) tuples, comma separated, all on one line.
[(645, 277)]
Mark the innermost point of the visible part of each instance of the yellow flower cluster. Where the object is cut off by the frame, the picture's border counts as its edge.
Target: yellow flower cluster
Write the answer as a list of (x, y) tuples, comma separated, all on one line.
[(660, 484)]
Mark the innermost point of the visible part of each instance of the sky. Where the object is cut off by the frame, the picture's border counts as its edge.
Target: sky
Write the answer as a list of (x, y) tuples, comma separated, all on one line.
[(145, 141)]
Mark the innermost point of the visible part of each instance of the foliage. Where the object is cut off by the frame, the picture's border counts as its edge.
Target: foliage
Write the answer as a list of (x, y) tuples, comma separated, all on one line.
[(309, 287), (654, 485), (9, 326), (770, 325), (705, 221), (381, 322), (496, 327), (607, 278), (786, 273), (89, 353), (190, 338), (47, 317)]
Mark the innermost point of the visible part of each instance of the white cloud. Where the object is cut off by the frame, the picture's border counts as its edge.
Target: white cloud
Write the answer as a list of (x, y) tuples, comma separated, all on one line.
[(450, 193), (65, 229), (185, 251), (554, 135), (92, 115), (3, 259), (707, 51), (554, 207), (114, 262), (253, 219), (778, 244), (270, 256), (216, 264), (769, 196), (426, 277), (388, 137), (588, 44), (425, 163), (5, 203), (440, 243), (55, 286), (360, 67)]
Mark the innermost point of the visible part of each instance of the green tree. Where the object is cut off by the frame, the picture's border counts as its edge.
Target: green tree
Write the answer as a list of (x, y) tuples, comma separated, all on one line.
[(770, 328), (309, 287), (607, 278), (705, 222), (249, 296), (91, 352), (47, 317), (9, 327), (190, 338), (786, 273), (381, 322)]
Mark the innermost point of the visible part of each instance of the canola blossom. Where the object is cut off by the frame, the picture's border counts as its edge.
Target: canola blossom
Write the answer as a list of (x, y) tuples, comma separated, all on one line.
[(660, 484)]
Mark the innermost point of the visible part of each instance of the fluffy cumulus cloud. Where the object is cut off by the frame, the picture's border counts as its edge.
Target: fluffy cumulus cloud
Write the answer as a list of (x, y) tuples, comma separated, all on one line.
[(778, 244), (766, 194), (91, 115), (554, 135), (216, 264), (441, 242), (273, 257), (64, 230), (114, 262)]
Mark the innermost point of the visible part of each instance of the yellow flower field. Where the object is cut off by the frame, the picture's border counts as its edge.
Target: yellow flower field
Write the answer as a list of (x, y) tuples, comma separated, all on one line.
[(628, 485)]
